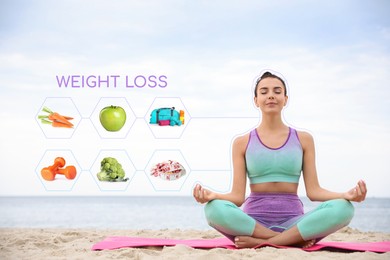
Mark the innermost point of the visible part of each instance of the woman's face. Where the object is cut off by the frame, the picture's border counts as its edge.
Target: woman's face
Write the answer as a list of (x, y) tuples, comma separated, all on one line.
[(270, 95)]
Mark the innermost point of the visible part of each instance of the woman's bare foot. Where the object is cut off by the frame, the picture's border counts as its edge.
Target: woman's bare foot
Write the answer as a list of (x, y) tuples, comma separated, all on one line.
[(247, 241), (307, 244)]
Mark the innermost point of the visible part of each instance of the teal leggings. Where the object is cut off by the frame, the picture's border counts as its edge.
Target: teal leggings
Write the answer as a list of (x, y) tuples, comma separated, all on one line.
[(278, 213)]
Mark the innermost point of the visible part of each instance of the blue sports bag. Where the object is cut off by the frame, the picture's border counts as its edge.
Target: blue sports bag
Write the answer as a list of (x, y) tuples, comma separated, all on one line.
[(165, 113)]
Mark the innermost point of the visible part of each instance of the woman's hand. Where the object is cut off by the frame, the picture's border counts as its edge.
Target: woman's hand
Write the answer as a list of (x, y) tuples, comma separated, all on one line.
[(203, 195), (357, 193)]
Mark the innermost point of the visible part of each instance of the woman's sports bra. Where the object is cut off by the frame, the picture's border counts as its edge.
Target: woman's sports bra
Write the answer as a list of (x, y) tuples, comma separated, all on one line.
[(265, 164)]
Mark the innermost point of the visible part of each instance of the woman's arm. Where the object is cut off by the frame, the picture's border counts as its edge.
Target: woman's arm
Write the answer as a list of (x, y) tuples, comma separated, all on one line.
[(313, 189), (237, 194)]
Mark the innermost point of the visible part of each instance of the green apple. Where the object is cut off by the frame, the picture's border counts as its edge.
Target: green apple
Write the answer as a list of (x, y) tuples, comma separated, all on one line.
[(112, 118)]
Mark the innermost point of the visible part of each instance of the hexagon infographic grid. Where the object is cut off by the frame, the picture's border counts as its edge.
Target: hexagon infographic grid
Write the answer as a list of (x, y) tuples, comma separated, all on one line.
[(66, 106)]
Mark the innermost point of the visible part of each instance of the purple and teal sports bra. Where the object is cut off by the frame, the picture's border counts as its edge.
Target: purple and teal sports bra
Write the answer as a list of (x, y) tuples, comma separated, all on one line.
[(265, 164)]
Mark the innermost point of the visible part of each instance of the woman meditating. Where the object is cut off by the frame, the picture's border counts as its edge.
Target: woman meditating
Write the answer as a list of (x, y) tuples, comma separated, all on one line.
[(273, 156)]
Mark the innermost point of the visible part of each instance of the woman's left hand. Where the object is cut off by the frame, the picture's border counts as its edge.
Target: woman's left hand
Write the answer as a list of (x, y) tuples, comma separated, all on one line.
[(357, 193)]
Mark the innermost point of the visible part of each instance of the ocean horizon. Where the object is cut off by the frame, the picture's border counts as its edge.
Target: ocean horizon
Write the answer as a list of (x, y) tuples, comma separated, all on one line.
[(146, 212)]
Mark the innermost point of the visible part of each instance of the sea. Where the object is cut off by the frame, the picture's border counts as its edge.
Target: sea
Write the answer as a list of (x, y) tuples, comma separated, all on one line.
[(155, 213)]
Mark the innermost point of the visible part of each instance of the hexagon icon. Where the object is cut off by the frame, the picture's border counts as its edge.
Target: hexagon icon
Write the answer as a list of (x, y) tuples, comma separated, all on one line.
[(162, 182), (162, 130), (123, 158), (118, 102), (63, 106), (60, 182)]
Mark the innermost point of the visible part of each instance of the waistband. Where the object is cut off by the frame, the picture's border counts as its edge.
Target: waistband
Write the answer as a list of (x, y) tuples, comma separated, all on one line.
[(273, 195)]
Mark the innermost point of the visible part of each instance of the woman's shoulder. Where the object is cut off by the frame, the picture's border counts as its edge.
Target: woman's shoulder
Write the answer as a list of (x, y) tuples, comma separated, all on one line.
[(304, 137), (241, 140)]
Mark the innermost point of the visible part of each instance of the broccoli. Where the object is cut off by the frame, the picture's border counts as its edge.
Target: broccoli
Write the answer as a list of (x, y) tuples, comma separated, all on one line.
[(111, 170)]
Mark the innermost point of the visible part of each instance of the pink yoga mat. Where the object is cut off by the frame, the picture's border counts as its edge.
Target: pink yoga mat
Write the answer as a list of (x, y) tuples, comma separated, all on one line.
[(123, 242)]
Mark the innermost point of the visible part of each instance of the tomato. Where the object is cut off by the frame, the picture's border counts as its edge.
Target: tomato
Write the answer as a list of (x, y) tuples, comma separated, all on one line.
[(112, 118)]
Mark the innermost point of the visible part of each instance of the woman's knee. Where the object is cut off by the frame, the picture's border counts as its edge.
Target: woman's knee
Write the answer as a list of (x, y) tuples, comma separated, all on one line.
[(343, 210), (329, 217), (228, 218), (217, 211)]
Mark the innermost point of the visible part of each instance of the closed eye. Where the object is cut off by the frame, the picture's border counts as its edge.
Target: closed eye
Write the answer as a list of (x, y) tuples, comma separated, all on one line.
[(263, 90), (278, 90)]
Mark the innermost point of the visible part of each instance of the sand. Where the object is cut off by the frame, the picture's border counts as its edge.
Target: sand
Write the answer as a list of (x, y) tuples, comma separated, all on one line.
[(28, 243)]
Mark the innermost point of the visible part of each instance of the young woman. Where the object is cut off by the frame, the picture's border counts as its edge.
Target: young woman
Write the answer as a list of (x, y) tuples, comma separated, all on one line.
[(273, 156)]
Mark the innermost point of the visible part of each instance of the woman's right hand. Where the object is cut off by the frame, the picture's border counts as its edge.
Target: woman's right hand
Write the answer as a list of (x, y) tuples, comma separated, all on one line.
[(203, 195)]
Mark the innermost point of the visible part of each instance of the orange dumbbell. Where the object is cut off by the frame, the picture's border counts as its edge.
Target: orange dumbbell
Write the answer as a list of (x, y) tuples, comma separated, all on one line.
[(49, 173), (68, 171)]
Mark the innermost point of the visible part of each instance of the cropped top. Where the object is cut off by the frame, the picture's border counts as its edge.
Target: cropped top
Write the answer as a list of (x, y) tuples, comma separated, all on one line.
[(265, 164)]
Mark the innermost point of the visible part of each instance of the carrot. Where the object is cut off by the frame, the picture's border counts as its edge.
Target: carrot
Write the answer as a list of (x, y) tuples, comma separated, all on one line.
[(56, 123), (55, 118)]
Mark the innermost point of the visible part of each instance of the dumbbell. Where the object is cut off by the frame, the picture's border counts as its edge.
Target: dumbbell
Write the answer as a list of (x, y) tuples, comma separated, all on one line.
[(49, 173), (68, 171)]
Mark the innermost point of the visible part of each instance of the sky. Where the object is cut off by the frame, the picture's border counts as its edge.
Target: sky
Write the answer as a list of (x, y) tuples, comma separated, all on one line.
[(334, 55)]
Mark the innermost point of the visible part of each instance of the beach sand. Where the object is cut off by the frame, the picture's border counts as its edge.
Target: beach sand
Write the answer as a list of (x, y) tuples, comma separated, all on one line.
[(28, 243)]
